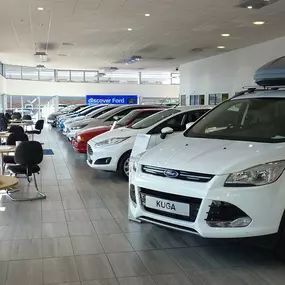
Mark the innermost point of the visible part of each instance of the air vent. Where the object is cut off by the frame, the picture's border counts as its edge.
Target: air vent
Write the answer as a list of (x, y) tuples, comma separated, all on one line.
[(197, 49), (68, 44), (110, 69), (41, 56), (47, 46), (63, 54), (168, 58), (255, 4), (40, 66)]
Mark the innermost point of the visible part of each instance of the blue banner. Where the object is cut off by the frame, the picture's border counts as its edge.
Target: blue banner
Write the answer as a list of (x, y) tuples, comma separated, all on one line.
[(111, 99)]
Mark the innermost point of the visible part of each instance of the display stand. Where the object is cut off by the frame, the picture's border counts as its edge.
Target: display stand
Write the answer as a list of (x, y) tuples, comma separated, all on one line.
[(141, 145)]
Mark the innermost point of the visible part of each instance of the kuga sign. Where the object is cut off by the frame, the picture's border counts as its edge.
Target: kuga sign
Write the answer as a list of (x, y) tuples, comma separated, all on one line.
[(111, 99)]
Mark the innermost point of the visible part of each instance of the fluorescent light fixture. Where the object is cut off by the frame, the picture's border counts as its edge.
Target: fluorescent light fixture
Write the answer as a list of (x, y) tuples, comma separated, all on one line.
[(130, 29), (258, 22), (40, 8), (225, 35), (147, 15), (249, 7), (221, 47)]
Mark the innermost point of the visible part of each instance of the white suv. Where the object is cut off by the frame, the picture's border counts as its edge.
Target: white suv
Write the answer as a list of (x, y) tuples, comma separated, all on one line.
[(223, 177), (111, 150)]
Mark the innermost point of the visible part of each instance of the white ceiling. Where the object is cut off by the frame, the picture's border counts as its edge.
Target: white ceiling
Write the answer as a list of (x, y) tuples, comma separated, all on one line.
[(97, 31)]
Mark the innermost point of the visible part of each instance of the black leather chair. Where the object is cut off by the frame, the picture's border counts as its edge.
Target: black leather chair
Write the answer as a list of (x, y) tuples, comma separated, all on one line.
[(11, 140), (38, 129), (27, 156), (27, 118), (16, 129), (16, 116)]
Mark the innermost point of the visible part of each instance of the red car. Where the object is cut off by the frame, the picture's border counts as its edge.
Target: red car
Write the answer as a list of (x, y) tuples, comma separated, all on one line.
[(79, 143)]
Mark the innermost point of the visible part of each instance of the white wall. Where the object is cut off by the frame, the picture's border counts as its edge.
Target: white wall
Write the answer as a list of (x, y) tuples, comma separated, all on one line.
[(22, 87), (228, 72)]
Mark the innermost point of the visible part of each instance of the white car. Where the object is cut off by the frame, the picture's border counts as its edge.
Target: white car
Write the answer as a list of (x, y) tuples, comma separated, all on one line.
[(223, 177), (111, 150)]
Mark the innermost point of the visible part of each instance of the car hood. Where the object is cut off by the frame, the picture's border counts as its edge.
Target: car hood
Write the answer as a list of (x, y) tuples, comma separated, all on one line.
[(96, 123), (75, 119), (117, 133), (94, 130), (211, 156)]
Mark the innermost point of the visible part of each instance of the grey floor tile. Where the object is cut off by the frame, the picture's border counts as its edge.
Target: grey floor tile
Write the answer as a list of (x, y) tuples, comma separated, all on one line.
[(26, 249), (52, 230), (86, 245), (57, 247), (59, 270), (28, 231), (127, 264), (5, 250), (29, 217), (92, 267), (115, 243), (188, 259), (169, 239), (7, 232), (74, 204), (158, 262), (80, 228), (25, 272), (101, 282), (3, 272), (130, 226), (53, 216), (77, 215), (69, 283), (172, 279), (51, 205), (99, 214), (93, 203), (140, 280), (106, 226), (273, 275), (142, 241)]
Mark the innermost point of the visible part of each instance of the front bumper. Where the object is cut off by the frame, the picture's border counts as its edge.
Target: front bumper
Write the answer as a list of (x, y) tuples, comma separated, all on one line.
[(79, 146), (261, 204)]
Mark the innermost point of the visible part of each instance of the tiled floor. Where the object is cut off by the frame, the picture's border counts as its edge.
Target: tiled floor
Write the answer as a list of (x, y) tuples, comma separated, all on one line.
[(80, 235)]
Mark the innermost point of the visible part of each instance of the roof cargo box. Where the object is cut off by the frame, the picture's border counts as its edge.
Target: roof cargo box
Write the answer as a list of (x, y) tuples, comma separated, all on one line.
[(272, 73)]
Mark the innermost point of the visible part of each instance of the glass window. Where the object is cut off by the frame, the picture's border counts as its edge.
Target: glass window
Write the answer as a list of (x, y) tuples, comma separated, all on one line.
[(91, 76), (156, 78), (77, 76), (260, 120), (30, 73), (63, 75), (175, 78), (119, 77), (13, 72), (46, 74), (1, 68)]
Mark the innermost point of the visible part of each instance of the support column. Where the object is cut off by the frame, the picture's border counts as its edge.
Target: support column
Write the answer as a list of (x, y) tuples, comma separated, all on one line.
[(140, 78), (56, 103)]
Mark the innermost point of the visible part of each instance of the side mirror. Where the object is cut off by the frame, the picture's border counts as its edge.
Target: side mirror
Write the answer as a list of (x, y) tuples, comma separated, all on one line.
[(189, 125), (116, 118), (166, 131)]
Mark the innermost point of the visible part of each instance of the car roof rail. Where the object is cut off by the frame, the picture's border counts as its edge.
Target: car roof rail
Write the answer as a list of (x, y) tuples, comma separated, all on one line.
[(252, 89)]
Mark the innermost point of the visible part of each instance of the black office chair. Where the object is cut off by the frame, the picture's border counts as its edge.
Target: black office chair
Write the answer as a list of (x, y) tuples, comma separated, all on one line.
[(38, 129), (16, 116), (27, 156), (8, 116), (16, 129), (3, 124), (11, 140), (27, 118)]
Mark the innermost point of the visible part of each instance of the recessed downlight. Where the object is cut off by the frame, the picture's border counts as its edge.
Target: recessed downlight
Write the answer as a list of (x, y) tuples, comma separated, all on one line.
[(130, 29), (258, 23), (147, 15), (225, 35), (249, 7), (221, 47), (40, 8)]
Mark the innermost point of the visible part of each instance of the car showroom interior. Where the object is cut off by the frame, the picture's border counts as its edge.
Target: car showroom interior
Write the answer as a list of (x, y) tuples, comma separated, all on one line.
[(142, 142)]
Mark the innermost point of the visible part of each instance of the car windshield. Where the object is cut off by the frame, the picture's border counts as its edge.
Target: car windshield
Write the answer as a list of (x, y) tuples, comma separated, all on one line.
[(110, 113), (253, 119), (148, 122)]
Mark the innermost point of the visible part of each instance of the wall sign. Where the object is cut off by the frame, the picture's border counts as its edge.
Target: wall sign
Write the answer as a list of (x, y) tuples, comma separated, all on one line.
[(111, 99)]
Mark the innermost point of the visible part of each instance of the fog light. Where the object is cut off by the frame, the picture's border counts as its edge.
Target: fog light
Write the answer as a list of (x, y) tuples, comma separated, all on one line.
[(241, 222), (133, 193)]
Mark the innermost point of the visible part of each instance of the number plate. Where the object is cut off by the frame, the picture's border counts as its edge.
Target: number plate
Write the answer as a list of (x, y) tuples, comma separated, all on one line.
[(168, 206)]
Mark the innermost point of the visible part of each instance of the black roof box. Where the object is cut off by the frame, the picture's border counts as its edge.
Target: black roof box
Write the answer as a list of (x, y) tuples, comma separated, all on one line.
[(271, 73)]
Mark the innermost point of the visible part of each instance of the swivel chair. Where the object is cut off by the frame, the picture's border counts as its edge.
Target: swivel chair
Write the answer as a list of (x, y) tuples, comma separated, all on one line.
[(38, 129)]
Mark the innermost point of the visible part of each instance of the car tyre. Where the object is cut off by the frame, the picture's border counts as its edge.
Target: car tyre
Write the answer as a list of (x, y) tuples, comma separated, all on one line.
[(123, 166)]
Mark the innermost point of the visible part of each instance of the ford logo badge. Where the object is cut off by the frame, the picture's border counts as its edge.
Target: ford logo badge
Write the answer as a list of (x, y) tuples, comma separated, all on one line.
[(171, 173)]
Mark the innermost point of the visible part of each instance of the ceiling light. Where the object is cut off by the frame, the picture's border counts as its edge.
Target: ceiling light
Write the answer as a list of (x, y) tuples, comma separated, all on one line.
[(258, 22), (130, 29), (40, 8), (221, 47), (225, 35), (249, 7), (147, 15)]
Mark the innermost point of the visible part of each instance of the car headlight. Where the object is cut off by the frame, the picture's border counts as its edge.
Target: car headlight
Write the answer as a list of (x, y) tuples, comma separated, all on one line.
[(111, 141), (256, 176), (80, 139), (78, 127)]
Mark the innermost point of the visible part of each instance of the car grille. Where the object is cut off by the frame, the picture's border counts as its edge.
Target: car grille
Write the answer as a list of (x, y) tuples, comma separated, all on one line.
[(193, 202), (177, 174), (89, 149)]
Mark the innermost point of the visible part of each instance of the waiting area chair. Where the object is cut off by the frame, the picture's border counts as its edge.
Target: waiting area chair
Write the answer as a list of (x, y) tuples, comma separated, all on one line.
[(16, 116), (27, 156), (38, 129), (27, 118), (16, 129)]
